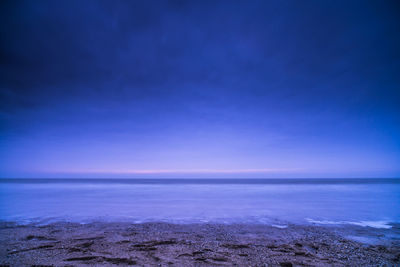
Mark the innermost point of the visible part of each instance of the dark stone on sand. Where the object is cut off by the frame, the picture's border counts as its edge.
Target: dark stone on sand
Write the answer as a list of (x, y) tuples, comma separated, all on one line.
[(158, 243), (72, 250), (29, 249), (185, 255), (104, 259), (86, 244), (286, 264), (89, 238), (145, 248), (396, 258), (156, 258), (219, 259), (123, 242), (39, 237), (119, 261)]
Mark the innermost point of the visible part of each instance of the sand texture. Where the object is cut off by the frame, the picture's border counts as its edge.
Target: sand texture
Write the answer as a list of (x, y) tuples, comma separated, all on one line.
[(162, 244)]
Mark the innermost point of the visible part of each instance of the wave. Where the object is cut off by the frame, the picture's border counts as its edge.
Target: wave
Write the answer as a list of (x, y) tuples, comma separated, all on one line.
[(373, 224)]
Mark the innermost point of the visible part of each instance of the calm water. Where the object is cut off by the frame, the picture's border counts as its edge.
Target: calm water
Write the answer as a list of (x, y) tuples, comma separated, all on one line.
[(278, 202)]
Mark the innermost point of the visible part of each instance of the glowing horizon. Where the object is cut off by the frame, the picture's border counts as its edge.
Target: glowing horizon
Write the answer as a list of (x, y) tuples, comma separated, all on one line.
[(205, 171)]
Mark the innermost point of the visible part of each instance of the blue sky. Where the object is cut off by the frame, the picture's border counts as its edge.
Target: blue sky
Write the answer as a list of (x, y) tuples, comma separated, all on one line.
[(199, 89)]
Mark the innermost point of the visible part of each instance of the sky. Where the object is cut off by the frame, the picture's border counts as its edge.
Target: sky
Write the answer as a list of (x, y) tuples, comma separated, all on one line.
[(199, 89)]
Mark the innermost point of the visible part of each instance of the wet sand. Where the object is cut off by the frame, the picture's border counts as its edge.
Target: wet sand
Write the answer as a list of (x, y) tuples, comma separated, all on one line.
[(162, 244)]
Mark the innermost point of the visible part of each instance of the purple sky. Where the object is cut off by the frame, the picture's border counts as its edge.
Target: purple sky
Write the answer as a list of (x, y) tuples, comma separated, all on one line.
[(199, 89)]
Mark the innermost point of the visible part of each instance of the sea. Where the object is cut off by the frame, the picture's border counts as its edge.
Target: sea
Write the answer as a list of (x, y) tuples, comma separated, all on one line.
[(277, 202)]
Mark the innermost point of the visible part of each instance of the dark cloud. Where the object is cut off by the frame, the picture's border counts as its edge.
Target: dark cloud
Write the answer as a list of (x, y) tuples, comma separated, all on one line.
[(297, 67)]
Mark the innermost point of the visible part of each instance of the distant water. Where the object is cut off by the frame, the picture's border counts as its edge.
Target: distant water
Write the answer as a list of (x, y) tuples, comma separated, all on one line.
[(367, 202)]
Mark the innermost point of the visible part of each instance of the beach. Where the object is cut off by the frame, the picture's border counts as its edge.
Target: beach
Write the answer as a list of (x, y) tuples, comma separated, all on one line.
[(164, 244), (199, 133)]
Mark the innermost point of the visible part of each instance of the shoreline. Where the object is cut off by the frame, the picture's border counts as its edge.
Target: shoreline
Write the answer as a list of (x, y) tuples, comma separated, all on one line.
[(165, 244)]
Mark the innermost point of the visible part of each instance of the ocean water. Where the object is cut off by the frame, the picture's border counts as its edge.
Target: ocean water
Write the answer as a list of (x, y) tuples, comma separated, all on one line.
[(278, 202)]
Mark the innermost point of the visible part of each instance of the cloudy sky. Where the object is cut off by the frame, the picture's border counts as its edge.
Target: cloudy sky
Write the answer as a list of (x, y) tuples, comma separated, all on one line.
[(199, 89)]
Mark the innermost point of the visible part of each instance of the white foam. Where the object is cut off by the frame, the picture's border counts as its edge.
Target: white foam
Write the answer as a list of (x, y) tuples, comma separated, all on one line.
[(279, 226), (374, 224)]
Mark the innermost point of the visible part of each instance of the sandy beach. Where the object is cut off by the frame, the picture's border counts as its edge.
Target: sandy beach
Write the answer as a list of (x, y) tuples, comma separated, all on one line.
[(199, 133), (162, 244)]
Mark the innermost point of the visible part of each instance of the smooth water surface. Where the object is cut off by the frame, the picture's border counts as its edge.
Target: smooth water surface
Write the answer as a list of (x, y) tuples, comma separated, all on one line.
[(277, 202)]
